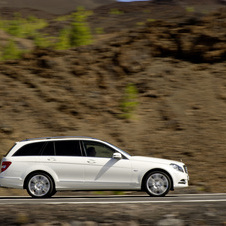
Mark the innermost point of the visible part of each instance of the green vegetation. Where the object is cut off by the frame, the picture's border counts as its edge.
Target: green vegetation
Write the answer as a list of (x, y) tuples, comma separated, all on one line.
[(63, 18), (42, 40), (151, 20), (10, 51), (80, 31), (116, 12), (190, 9), (77, 33), (130, 101), (22, 27), (140, 23), (63, 40), (147, 11), (99, 31)]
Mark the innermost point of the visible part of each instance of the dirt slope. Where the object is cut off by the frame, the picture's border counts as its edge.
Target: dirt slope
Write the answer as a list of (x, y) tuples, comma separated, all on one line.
[(178, 67), (66, 6), (54, 6)]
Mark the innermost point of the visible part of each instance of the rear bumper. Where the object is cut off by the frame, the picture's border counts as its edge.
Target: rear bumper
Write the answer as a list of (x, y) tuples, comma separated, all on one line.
[(11, 182)]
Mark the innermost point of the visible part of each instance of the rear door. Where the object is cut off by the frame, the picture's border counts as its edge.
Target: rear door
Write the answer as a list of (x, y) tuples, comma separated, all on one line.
[(66, 160)]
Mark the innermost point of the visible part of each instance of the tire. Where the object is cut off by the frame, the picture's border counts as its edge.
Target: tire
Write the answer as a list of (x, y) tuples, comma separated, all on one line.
[(40, 185), (157, 184), (53, 193)]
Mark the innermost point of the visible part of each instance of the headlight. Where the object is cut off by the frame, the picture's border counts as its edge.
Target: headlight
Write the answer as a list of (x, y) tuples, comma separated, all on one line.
[(176, 167)]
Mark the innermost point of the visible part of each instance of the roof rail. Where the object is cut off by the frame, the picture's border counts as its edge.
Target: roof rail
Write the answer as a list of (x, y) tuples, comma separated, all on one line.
[(57, 137)]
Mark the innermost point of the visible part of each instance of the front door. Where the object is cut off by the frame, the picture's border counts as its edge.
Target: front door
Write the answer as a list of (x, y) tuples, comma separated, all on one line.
[(104, 172)]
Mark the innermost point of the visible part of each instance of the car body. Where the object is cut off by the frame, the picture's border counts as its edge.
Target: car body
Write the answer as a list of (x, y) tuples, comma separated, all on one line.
[(44, 166)]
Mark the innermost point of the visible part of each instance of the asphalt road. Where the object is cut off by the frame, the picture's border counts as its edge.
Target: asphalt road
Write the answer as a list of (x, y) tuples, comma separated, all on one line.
[(116, 199)]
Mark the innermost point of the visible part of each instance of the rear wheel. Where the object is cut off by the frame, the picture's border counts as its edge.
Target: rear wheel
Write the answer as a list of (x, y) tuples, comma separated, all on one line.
[(157, 183), (40, 185)]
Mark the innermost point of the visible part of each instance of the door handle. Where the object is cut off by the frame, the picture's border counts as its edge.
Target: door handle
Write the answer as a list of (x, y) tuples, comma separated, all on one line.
[(91, 161), (51, 159)]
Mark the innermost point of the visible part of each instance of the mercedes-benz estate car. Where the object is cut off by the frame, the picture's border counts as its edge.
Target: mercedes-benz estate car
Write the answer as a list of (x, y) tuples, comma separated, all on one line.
[(44, 166)]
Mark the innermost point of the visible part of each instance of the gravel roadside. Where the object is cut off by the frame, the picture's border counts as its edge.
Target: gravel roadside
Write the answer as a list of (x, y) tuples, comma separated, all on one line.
[(115, 214)]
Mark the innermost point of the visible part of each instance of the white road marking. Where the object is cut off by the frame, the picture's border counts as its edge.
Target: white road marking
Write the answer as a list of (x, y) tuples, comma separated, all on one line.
[(80, 200), (118, 196), (32, 201), (137, 202)]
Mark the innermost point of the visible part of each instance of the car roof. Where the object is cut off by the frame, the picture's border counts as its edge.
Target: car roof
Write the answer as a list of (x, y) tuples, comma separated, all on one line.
[(57, 138)]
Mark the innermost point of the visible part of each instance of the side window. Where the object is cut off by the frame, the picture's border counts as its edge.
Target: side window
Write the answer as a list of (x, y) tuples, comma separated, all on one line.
[(96, 149), (30, 149), (67, 148), (49, 149)]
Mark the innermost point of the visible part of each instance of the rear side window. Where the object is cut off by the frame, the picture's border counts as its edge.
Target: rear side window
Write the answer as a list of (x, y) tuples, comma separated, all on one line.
[(67, 148), (30, 149), (49, 149), (62, 148)]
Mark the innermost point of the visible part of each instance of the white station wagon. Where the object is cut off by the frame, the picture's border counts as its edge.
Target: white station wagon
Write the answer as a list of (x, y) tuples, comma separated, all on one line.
[(44, 166)]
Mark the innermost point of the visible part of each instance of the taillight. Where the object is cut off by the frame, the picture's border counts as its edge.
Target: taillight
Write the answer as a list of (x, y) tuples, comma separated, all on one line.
[(5, 165)]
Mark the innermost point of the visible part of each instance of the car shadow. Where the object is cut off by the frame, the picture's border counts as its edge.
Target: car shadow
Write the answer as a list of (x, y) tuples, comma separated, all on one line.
[(84, 197), (15, 197), (110, 197)]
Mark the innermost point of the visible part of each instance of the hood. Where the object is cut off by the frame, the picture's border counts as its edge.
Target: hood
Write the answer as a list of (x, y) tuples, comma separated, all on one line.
[(155, 160)]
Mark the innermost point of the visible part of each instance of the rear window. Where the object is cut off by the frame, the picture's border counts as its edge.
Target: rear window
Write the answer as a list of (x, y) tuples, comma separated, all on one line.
[(30, 149)]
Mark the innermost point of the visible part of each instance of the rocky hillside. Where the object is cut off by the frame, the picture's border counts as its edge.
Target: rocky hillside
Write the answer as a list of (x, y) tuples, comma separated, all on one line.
[(54, 6), (158, 89)]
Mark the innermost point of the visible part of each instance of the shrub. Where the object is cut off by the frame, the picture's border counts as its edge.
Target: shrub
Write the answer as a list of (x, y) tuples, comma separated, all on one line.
[(42, 40), (140, 23), (99, 31), (129, 102), (21, 27), (10, 51), (63, 18), (15, 28), (80, 31), (151, 20), (63, 40), (77, 34), (190, 9), (116, 12)]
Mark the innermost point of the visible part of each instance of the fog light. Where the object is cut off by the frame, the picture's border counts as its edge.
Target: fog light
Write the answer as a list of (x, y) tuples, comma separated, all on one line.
[(183, 181)]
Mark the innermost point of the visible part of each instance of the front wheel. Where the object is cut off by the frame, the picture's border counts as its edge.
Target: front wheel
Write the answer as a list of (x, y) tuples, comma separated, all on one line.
[(40, 185), (157, 184)]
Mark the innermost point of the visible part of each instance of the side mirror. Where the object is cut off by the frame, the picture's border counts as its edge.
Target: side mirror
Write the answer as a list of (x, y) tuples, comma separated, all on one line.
[(117, 155)]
